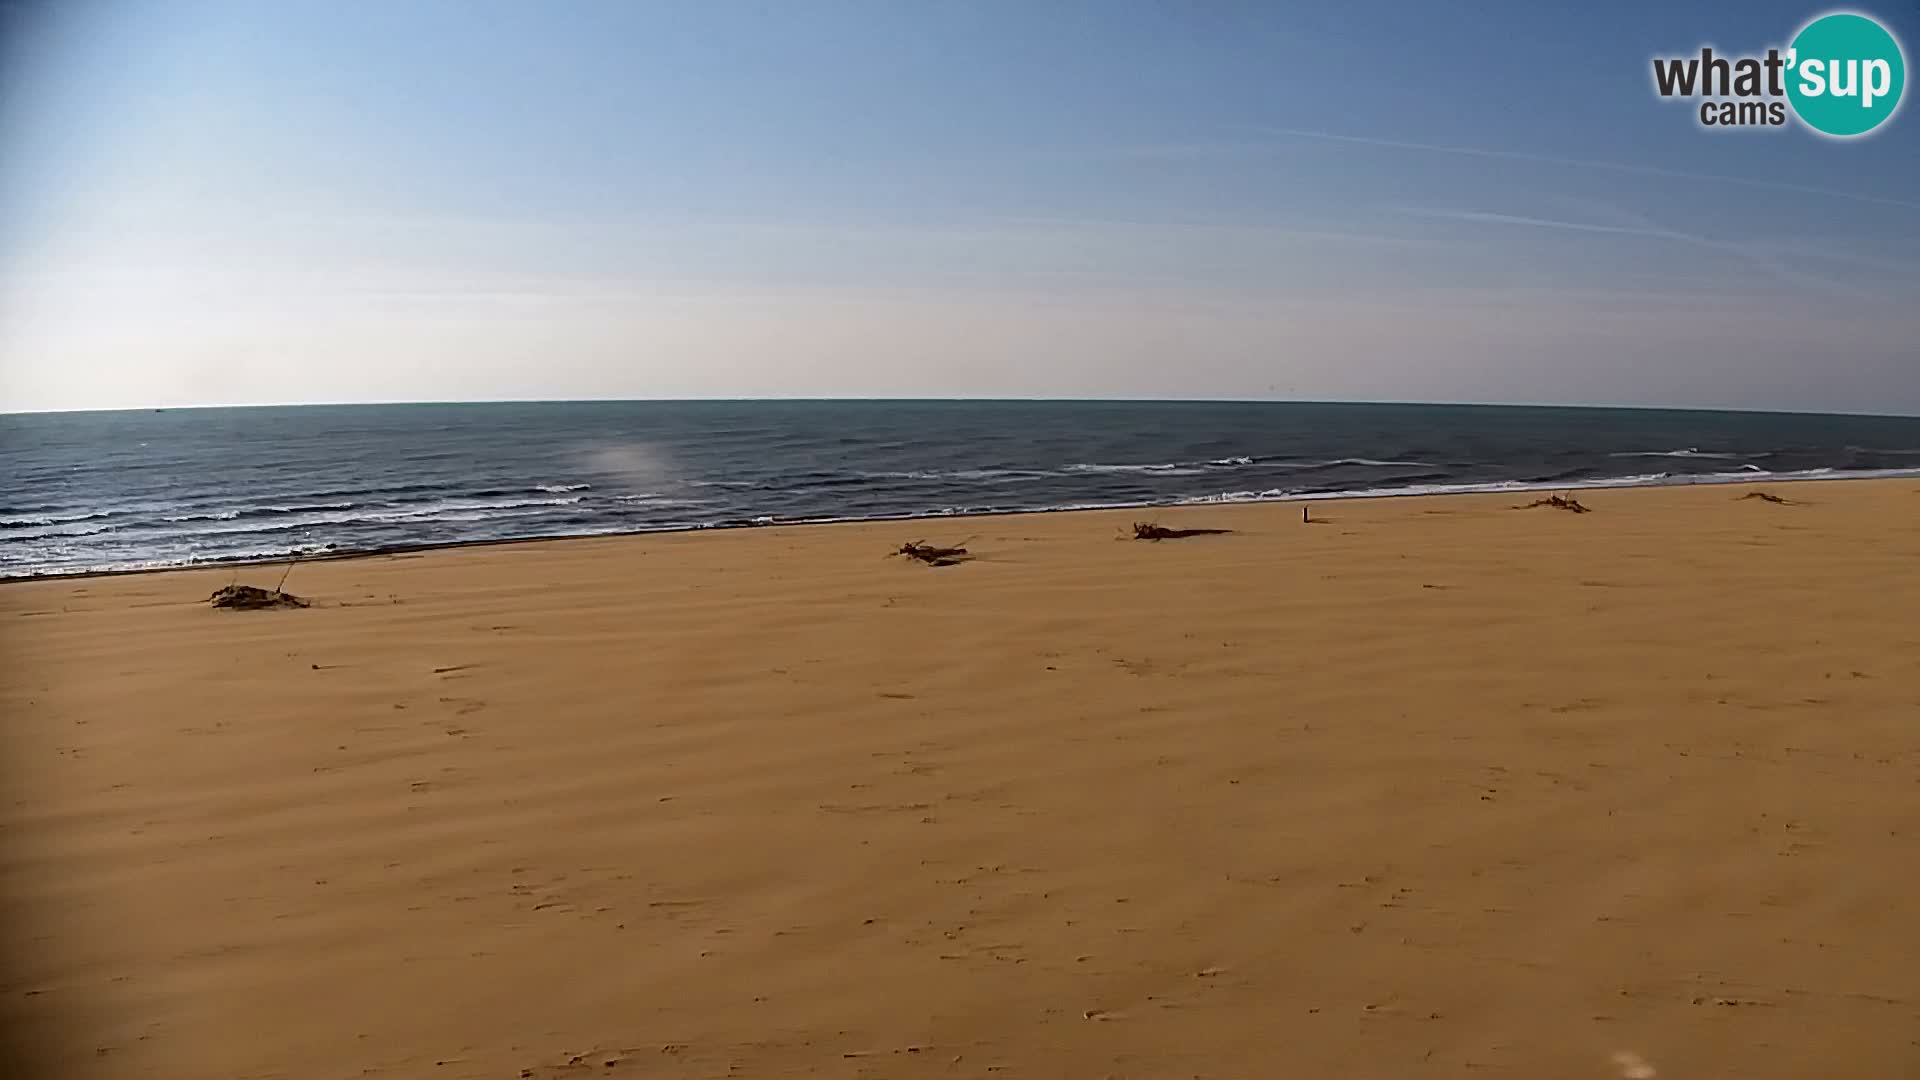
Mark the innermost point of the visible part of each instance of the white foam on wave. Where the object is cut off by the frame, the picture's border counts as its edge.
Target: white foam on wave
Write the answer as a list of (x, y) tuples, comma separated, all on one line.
[(1243, 462), (501, 516), (1659, 479), (234, 514), (64, 530), (655, 500), (120, 566), (1689, 452), (990, 476), (1376, 463), (1162, 469), (1158, 468), (442, 510), (460, 510), (560, 488), (40, 521)]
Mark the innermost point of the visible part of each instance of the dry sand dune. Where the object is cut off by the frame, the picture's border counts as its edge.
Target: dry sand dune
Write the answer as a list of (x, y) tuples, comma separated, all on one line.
[(1431, 788)]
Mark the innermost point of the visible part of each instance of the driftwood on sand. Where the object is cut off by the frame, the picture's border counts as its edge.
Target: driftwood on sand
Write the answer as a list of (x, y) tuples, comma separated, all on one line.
[(1768, 496), (1559, 502), (921, 551), (253, 598), (1147, 530)]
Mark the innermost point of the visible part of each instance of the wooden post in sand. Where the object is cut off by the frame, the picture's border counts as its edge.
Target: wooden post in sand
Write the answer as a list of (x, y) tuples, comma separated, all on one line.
[(282, 586)]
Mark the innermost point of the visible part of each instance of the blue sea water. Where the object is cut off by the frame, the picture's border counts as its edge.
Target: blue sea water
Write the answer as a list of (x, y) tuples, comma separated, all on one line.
[(125, 490)]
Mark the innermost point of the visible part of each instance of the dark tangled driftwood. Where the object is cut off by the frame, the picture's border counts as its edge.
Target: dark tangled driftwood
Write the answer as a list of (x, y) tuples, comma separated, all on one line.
[(252, 598), (1147, 530), (1767, 496), (922, 551), (1559, 502)]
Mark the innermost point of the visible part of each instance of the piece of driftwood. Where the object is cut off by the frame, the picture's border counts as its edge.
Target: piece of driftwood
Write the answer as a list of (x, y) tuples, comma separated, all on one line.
[(932, 555), (1768, 496), (1559, 502), (1147, 530), (254, 598)]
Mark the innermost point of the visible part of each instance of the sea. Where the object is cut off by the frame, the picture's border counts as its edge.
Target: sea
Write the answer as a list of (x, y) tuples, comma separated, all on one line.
[(87, 492)]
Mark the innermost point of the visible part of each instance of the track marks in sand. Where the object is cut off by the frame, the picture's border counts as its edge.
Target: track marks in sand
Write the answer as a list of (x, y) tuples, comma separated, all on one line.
[(833, 1053)]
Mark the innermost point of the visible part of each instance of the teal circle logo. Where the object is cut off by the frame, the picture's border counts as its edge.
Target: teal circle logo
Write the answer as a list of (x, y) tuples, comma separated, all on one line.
[(1845, 74)]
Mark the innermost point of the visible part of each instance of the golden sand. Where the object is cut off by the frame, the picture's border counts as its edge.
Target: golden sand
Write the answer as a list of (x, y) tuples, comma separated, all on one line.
[(1433, 787)]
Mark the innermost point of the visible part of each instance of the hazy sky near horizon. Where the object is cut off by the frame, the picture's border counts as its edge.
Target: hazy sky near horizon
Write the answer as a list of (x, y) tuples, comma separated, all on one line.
[(226, 202)]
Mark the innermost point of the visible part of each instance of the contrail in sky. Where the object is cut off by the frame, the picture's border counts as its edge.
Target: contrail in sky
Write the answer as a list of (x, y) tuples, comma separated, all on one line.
[(1611, 166)]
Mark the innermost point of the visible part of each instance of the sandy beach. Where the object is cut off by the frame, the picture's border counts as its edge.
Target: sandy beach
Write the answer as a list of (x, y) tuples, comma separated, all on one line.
[(1431, 787)]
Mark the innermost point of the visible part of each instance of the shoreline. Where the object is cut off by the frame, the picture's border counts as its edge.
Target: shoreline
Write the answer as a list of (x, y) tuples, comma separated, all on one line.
[(1465, 491)]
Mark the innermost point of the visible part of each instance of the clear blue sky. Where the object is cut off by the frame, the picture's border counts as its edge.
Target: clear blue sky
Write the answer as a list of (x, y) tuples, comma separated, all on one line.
[(236, 202)]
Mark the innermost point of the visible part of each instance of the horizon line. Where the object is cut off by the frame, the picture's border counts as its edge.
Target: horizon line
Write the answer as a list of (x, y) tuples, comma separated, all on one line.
[(989, 400)]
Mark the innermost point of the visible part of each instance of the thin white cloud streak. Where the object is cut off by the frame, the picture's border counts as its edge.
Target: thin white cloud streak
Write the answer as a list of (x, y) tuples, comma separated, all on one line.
[(1760, 259), (1585, 163), (1545, 223), (1269, 229), (327, 254), (1771, 247), (990, 225)]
